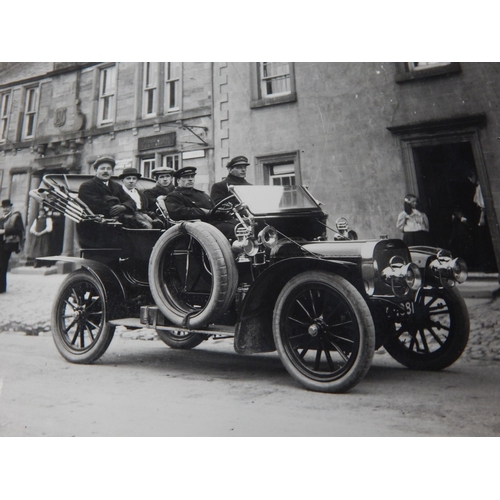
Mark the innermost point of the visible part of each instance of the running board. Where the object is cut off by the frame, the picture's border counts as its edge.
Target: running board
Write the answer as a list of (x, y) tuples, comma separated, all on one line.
[(135, 323)]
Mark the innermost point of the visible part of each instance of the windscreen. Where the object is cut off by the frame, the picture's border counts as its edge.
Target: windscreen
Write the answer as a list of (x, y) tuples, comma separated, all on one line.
[(272, 199)]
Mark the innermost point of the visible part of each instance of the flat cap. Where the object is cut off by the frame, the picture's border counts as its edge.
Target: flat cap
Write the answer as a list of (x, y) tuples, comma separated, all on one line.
[(129, 172), (104, 159), (162, 170), (183, 172), (238, 161)]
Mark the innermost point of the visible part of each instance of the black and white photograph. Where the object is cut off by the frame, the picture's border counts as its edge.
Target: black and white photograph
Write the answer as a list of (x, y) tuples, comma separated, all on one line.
[(242, 251)]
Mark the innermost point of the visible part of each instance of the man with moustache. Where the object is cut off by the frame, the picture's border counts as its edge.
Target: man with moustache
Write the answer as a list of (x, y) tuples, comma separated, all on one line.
[(101, 194)]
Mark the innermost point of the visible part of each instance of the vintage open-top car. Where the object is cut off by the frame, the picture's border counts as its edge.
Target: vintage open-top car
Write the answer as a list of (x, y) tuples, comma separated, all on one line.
[(325, 306)]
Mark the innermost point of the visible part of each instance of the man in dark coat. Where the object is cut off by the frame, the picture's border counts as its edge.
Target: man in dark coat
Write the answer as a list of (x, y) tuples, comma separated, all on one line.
[(237, 170), (11, 239), (187, 203), (101, 194), (164, 186)]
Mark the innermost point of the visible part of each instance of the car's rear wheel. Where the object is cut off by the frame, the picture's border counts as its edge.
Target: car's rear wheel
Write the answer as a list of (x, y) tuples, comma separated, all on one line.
[(323, 332), (181, 339), (192, 274), (435, 335), (79, 319)]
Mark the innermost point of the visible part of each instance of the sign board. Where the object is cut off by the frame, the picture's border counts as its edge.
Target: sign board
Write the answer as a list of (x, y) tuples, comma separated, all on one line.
[(157, 141), (189, 155)]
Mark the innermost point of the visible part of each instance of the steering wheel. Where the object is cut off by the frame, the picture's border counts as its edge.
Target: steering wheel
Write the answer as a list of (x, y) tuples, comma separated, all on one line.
[(224, 206)]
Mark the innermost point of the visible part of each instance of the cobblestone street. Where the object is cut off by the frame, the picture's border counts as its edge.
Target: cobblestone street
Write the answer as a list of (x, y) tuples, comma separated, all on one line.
[(26, 308)]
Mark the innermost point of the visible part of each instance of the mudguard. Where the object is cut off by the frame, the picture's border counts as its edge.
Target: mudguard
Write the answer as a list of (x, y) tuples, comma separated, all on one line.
[(254, 331), (113, 287)]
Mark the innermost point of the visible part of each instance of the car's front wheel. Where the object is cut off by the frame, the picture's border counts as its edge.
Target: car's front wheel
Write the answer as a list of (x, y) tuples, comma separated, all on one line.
[(79, 319), (323, 332), (436, 332)]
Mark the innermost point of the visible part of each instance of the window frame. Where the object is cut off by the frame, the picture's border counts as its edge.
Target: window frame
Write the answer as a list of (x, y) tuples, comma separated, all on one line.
[(173, 81), (101, 96), (30, 115), (176, 157), (264, 163), (5, 114), (258, 99), (146, 172), (407, 71), (150, 81)]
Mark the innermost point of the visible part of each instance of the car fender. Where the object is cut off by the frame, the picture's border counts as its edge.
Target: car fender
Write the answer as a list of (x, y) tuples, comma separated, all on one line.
[(114, 289), (254, 327)]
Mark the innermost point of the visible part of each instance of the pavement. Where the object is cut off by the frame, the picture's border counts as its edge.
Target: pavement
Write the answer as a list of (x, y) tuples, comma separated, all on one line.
[(26, 308)]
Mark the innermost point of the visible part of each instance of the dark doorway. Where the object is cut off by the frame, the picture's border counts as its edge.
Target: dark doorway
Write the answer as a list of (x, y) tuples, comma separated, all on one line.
[(449, 194)]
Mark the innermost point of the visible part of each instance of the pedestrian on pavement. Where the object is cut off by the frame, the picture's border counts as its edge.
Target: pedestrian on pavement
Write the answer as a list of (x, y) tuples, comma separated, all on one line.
[(413, 223), (237, 171), (11, 239), (41, 229)]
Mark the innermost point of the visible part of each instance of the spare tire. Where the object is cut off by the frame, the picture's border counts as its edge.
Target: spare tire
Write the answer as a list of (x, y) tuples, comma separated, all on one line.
[(192, 274)]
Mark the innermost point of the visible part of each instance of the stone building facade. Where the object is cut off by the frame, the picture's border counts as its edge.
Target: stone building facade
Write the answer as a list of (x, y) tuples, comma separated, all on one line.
[(359, 135)]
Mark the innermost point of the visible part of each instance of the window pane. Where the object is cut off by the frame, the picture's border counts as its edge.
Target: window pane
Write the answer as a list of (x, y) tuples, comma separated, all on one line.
[(150, 101), (275, 78), (5, 104)]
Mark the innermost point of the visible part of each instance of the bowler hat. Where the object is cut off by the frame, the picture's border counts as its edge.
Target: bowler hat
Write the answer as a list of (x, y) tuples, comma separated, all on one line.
[(129, 172), (161, 170), (104, 159), (183, 172), (238, 161), (6, 203)]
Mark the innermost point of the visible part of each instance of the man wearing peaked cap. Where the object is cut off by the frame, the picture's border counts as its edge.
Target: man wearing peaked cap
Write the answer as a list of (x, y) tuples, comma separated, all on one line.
[(237, 170), (164, 186), (187, 203)]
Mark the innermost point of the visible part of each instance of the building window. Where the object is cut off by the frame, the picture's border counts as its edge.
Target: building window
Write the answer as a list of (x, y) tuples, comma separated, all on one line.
[(281, 175), (107, 91), (150, 80), (415, 70), (272, 83), (278, 170), (274, 78), (418, 66), (30, 110), (172, 91), (4, 116), (147, 165), (171, 161)]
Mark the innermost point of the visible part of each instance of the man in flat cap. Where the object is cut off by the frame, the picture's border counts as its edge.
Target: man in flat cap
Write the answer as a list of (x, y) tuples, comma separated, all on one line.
[(237, 170), (164, 186), (101, 194), (187, 203)]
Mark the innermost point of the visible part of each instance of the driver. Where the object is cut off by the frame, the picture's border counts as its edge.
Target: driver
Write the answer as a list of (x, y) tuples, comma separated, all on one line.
[(237, 171), (187, 203)]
